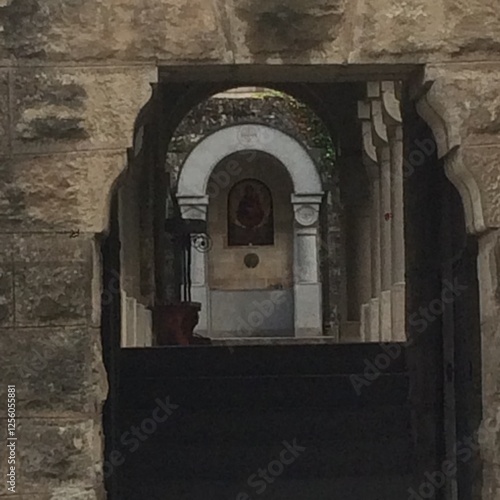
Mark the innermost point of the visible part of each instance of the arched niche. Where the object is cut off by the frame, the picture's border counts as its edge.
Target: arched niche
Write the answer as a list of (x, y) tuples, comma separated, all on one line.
[(193, 197)]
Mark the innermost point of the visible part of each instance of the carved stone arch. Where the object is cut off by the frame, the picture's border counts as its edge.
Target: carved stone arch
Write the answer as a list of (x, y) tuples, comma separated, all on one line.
[(208, 153), (445, 127)]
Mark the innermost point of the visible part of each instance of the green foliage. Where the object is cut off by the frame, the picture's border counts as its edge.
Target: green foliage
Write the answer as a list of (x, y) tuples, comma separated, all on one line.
[(308, 123)]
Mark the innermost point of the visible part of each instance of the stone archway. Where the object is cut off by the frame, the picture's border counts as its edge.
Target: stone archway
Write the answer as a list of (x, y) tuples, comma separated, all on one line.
[(306, 200), (464, 122)]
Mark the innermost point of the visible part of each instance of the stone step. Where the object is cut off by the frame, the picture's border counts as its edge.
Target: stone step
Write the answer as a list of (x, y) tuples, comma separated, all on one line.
[(199, 361), (263, 392), (211, 427), (381, 487), (232, 460)]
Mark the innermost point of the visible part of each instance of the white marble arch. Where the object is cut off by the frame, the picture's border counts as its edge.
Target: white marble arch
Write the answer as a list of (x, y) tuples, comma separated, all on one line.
[(306, 199)]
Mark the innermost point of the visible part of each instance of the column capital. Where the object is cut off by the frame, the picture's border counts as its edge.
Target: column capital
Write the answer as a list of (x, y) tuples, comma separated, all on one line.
[(369, 151), (391, 104), (193, 207), (379, 127), (306, 208)]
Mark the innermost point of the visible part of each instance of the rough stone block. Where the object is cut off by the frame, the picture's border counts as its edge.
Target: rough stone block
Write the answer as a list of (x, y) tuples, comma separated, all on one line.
[(51, 293), (60, 493), (57, 455), (73, 108), (389, 30), (3, 457), (466, 97), (302, 31), (52, 278), (50, 247), (57, 30), (57, 372), (484, 165), (63, 192), (4, 113), (474, 28), (6, 296), (425, 30)]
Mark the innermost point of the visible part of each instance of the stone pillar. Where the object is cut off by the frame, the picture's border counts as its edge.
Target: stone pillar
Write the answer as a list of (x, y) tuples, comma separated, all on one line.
[(489, 432), (376, 274), (393, 121), (307, 284), (381, 142), (196, 207), (370, 317)]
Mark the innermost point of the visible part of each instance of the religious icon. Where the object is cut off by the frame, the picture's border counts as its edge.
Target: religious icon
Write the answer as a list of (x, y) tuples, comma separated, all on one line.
[(250, 214)]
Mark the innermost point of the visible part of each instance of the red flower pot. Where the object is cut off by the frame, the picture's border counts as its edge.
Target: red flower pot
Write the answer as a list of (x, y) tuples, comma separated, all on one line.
[(174, 323)]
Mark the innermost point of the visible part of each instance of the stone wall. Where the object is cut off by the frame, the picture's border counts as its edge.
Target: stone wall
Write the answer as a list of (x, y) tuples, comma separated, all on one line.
[(73, 78), (244, 31)]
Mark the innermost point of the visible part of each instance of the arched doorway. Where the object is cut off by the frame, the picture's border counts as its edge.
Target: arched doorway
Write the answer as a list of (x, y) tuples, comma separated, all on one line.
[(283, 153)]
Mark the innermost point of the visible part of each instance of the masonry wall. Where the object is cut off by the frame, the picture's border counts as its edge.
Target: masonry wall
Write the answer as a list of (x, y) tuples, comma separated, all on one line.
[(73, 78)]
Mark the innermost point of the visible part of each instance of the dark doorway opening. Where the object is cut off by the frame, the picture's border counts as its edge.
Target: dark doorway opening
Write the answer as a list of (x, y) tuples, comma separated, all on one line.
[(443, 362)]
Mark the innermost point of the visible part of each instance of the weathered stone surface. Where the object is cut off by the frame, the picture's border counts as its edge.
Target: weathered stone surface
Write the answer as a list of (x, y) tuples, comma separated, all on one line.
[(462, 108), (64, 493), (55, 456), (484, 165), (4, 113), (176, 31), (474, 28), (425, 30), (36, 248), (57, 372), (466, 97), (489, 282), (68, 109), (303, 31), (52, 280), (51, 293), (392, 30), (3, 456), (120, 30), (6, 296), (64, 192)]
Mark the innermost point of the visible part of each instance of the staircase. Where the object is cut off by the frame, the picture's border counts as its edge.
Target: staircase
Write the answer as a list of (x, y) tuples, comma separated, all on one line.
[(267, 422)]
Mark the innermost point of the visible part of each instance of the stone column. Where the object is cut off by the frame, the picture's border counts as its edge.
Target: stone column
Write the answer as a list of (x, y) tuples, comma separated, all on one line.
[(381, 142), (196, 207), (370, 317), (307, 284), (393, 121)]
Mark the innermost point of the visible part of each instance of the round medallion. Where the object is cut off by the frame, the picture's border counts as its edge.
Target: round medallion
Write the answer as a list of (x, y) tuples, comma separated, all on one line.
[(251, 260), (306, 215)]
